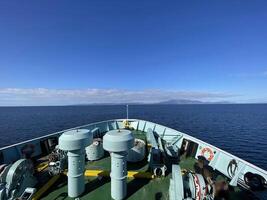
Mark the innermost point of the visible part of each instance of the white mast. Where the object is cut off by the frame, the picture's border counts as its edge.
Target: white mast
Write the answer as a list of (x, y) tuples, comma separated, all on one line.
[(127, 112)]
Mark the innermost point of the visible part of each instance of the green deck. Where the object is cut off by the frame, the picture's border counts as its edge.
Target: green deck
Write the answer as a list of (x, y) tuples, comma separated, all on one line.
[(100, 189)]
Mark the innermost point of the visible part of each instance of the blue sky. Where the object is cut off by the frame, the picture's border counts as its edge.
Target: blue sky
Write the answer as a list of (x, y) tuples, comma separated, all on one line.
[(64, 52)]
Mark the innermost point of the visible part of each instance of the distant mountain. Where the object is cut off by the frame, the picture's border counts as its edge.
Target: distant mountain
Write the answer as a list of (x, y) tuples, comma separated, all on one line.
[(181, 101), (187, 101)]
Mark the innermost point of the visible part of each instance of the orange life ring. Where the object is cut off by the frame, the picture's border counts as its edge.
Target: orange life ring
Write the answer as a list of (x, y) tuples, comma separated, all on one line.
[(211, 154)]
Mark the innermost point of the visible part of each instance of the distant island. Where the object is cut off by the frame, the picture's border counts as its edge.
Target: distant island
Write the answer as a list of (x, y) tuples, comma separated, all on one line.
[(168, 102)]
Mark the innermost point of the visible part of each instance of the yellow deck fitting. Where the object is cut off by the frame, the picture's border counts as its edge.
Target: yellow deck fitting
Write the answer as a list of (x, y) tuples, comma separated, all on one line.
[(41, 166), (43, 189), (131, 174), (96, 173), (136, 174)]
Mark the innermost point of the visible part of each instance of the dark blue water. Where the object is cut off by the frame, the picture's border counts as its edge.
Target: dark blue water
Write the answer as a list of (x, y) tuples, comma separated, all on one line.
[(238, 129)]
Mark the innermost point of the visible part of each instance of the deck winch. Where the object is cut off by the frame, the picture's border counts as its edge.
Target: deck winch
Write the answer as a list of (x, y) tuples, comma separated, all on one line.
[(16, 178), (188, 186), (57, 161), (75, 141), (118, 143)]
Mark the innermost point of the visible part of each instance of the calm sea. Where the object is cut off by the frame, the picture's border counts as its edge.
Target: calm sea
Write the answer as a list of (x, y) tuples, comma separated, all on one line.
[(238, 129)]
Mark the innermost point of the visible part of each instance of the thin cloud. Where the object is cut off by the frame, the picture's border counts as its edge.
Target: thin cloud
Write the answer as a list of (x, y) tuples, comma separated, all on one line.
[(43, 96)]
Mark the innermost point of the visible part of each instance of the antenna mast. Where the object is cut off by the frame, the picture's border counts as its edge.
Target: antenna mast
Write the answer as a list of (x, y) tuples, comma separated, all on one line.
[(127, 112)]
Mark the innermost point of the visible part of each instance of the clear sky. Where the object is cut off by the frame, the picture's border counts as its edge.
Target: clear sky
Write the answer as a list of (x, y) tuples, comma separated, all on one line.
[(61, 52)]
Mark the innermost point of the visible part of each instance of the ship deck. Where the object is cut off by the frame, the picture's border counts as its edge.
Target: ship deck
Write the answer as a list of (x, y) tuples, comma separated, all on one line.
[(99, 187)]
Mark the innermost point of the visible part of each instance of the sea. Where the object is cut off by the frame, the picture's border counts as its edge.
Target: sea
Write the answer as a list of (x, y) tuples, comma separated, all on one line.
[(240, 129)]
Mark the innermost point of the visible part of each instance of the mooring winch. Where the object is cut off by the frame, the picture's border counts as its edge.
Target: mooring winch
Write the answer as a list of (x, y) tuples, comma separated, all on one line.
[(188, 186), (16, 178)]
